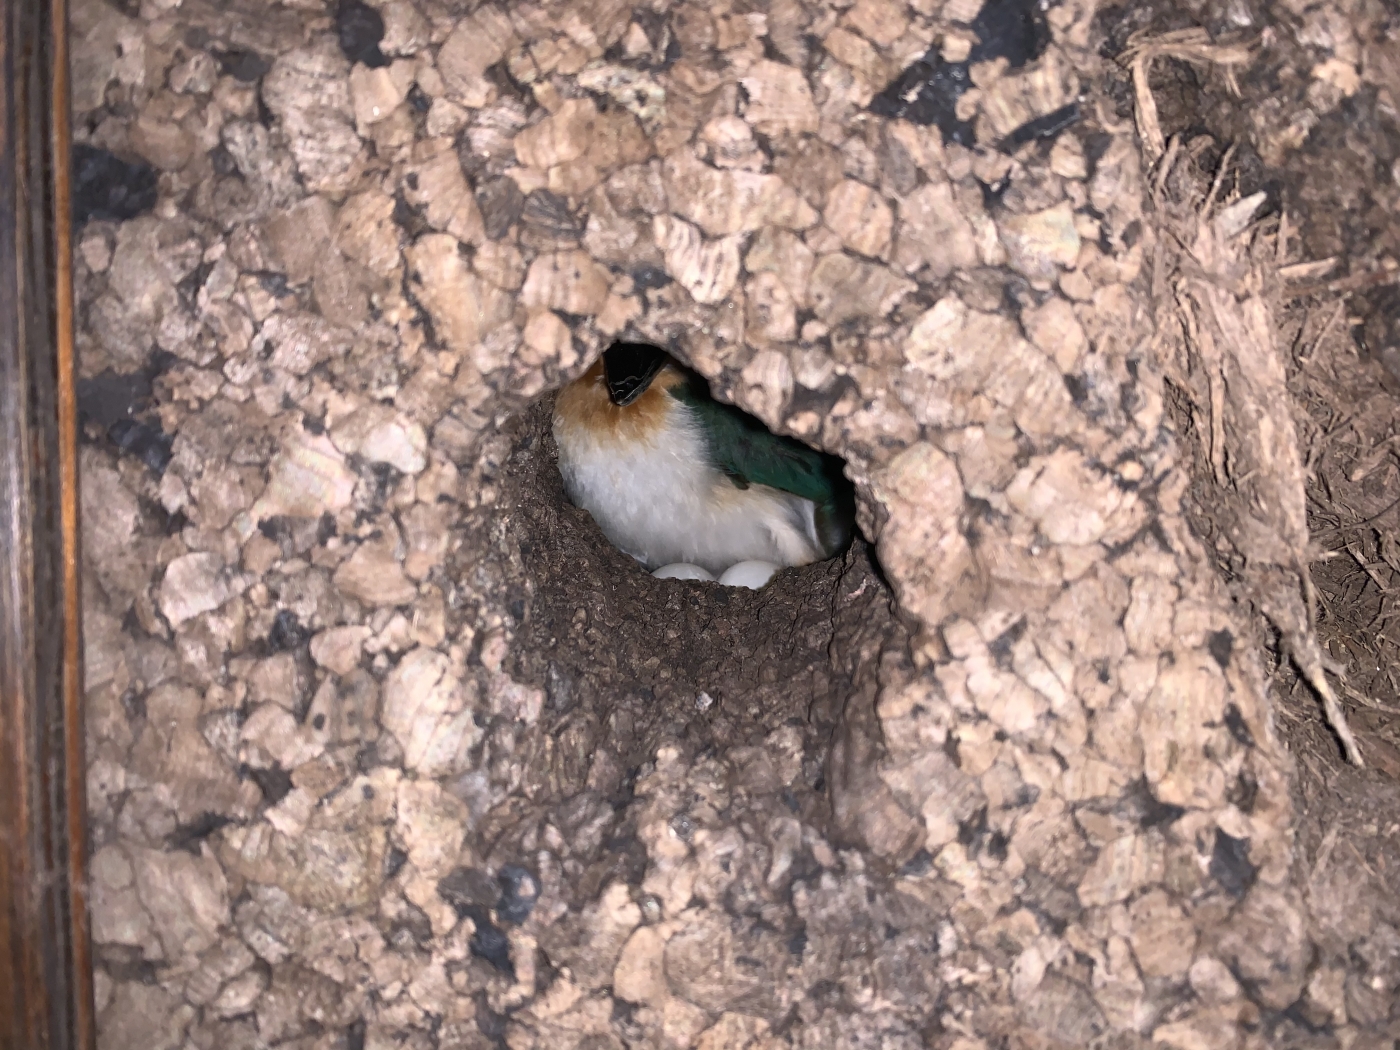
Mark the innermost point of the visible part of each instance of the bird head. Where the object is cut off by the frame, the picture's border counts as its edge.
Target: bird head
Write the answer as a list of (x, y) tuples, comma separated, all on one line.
[(629, 369)]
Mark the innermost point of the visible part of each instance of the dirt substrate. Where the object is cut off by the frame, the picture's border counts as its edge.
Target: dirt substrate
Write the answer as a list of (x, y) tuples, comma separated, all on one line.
[(389, 748), (1327, 152)]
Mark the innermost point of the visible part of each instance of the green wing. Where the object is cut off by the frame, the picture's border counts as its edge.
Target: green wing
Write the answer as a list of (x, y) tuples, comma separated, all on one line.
[(751, 454)]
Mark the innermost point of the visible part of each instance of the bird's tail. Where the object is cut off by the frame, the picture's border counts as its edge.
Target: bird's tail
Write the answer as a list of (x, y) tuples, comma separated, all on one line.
[(826, 527), (835, 522), (835, 516)]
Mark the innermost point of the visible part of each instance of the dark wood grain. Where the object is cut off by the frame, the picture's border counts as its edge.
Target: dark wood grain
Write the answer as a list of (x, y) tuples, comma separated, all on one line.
[(45, 960)]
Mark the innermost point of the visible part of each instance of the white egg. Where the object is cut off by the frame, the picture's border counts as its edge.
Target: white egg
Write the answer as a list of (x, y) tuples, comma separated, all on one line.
[(751, 574), (682, 570)]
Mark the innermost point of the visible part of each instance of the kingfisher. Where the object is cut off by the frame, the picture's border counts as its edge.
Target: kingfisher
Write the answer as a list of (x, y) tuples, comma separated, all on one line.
[(672, 475)]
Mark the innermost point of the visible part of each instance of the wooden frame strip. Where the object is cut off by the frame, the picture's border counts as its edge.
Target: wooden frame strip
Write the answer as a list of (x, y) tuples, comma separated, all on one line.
[(45, 954)]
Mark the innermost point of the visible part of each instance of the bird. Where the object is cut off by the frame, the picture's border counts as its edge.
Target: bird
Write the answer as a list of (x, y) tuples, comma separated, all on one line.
[(672, 475)]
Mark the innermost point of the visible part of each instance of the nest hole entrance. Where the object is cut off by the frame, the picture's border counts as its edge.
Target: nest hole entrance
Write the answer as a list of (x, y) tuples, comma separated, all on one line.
[(629, 663)]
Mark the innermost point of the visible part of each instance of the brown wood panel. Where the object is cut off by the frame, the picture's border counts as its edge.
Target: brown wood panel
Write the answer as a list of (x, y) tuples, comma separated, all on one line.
[(45, 960)]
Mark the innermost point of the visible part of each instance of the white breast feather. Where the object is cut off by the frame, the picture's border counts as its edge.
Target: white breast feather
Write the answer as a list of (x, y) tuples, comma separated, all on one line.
[(661, 502)]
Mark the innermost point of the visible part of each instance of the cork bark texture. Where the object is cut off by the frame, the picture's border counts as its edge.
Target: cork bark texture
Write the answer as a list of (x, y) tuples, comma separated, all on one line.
[(389, 749)]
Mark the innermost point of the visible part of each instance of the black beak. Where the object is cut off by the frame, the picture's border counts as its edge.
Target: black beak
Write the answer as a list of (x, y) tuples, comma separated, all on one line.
[(629, 369)]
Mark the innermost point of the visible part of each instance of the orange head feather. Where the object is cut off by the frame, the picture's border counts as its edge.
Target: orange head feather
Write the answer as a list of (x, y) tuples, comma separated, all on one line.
[(585, 405)]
